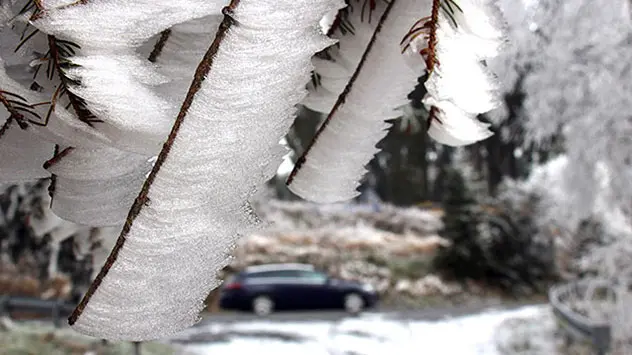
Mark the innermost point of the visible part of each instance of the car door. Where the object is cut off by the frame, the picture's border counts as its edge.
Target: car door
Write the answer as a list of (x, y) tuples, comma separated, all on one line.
[(277, 284), (313, 290), (288, 287)]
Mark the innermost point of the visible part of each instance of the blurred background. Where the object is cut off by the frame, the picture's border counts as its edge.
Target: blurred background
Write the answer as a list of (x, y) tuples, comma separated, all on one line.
[(519, 244)]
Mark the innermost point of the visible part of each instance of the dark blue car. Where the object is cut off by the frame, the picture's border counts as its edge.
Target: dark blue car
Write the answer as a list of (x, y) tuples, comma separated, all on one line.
[(266, 288)]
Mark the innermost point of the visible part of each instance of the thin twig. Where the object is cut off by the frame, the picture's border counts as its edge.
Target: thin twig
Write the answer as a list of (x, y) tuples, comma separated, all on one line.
[(53, 179), (343, 96), (57, 157), (4, 100), (431, 60), (160, 45), (5, 127), (431, 53), (42, 11), (201, 73), (17, 107)]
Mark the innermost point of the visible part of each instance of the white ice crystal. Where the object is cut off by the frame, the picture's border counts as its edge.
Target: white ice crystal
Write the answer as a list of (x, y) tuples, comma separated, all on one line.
[(186, 44), (453, 126), (134, 101)]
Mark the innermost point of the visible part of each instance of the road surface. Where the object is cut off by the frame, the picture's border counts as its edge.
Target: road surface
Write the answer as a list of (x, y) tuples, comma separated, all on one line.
[(426, 314)]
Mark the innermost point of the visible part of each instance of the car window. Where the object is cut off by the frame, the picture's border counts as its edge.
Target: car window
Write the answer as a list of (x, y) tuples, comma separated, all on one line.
[(288, 275), (313, 276), (275, 274)]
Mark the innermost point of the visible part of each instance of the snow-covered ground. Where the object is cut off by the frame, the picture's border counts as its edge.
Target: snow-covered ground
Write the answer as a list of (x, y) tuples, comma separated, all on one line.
[(371, 334)]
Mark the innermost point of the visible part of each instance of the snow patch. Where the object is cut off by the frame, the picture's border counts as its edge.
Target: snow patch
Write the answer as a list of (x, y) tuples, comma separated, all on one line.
[(372, 334)]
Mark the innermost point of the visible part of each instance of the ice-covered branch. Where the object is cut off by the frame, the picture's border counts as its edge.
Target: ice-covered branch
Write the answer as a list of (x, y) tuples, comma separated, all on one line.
[(454, 42), (109, 75), (333, 164), (183, 223), (353, 27)]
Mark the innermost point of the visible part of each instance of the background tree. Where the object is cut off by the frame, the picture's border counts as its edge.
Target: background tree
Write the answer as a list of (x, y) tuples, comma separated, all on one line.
[(460, 226), (576, 92)]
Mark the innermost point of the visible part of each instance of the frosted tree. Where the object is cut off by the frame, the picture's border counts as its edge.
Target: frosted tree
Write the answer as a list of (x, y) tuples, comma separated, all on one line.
[(578, 87), (163, 118), (578, 54)]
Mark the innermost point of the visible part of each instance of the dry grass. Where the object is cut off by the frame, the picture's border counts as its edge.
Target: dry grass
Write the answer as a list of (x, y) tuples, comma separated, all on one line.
[(41, 339)]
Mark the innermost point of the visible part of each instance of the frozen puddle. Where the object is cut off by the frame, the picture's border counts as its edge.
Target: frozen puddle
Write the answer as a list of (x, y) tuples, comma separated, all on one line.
[(368, 335)]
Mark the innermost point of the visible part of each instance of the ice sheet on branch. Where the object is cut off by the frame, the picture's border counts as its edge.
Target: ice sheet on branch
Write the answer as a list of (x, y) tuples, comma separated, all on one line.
[(184, 48), (227, 147), (96, 187)]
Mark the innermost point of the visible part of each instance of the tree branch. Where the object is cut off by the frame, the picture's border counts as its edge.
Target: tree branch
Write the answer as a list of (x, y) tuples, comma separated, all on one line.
[(431, 60), (428, 28)]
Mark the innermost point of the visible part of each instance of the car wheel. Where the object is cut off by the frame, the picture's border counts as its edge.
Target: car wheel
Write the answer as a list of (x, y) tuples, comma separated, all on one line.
[(354, 303), (262, 305)]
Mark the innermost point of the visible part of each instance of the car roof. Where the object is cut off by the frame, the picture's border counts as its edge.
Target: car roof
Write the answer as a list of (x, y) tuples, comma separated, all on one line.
[(277, 267)]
